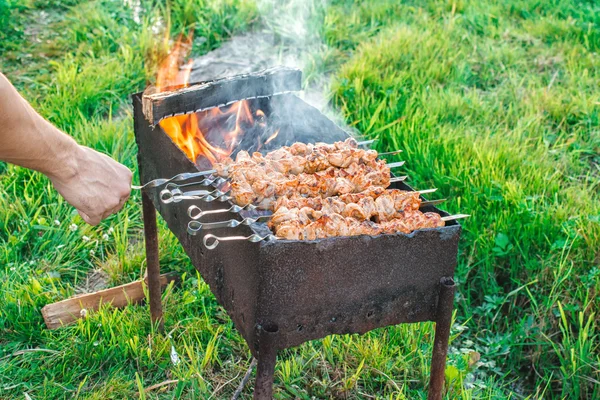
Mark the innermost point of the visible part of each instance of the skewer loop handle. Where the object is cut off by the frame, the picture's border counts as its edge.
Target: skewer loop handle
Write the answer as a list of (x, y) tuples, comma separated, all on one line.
[(195, 212), (212, 241), (177, 178), (176, 195)]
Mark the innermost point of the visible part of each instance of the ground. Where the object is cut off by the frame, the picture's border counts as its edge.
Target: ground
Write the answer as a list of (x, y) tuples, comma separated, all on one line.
[(494, 103)]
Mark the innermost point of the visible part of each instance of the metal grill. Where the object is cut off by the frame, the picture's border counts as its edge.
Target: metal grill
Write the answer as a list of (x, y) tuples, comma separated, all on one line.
[(281, 293)]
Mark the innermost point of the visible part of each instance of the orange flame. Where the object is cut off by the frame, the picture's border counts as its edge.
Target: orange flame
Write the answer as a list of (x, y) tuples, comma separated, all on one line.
[(273, 136), (188, 131)]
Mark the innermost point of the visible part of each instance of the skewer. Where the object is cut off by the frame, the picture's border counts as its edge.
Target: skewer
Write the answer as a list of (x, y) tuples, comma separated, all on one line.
[(210, 181), (196, 226), (172, 187), (190, 175), (195, 212), (252, 238), (257, 238), (454, 217), (367, 142), (177, 178), (396, 164), (391, 153), (432, 202), (218, 180), (398, 179), (176, 195)]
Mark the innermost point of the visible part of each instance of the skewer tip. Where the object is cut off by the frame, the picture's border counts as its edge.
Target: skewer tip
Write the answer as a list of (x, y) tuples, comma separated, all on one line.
[(454, 217)]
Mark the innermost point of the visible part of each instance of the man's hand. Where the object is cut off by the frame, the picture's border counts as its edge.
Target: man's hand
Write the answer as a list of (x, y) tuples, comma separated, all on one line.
[(97, 186)]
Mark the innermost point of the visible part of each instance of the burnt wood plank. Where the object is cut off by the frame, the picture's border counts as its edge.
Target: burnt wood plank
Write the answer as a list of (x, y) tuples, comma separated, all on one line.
[(67, 311), (205, 95)]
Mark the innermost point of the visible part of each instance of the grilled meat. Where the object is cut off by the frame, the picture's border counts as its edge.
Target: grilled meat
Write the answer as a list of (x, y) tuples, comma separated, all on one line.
[(299, 158), (374, 203), (338, 225), (267, 188)]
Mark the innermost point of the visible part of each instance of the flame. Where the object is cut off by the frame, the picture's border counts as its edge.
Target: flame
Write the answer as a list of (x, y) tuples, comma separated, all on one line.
[(273, 136), (189, 131)]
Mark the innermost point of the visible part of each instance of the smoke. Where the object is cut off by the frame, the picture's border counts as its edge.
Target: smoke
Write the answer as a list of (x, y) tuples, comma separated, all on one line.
[(291, 34)]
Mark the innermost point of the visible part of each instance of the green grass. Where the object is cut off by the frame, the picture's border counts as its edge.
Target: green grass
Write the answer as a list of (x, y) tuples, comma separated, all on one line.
[(494, 103)]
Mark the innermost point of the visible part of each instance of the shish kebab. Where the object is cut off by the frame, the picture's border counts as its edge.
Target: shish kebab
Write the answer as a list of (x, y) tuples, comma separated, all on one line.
[(259, 184), (330, 182), (376, 204), (369, 228), (318, 225), (392, 198), (191, 175), (302, 160)]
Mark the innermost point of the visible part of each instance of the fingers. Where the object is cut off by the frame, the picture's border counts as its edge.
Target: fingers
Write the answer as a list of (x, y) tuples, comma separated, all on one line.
[(117, 208), (95, 220), (99, 189)]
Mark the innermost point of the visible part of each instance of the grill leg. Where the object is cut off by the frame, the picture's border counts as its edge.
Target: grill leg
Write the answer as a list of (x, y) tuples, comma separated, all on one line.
[(267, 357), (152, 263), (442, 336)]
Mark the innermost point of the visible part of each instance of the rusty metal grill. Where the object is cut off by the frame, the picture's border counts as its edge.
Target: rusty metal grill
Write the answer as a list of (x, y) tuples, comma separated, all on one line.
[(281, 293)]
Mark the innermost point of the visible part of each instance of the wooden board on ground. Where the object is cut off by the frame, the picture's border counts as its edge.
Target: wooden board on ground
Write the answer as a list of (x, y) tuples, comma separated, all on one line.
[(67, 311)]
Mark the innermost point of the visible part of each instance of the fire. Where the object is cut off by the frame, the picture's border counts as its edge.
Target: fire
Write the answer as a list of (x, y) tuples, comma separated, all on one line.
[(213, 134), (273, 136)]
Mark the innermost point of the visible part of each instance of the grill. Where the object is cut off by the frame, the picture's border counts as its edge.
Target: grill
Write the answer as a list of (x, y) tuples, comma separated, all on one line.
[(281, 293)]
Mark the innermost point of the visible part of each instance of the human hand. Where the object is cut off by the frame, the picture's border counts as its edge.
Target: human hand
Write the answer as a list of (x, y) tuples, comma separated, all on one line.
[(97, 186)]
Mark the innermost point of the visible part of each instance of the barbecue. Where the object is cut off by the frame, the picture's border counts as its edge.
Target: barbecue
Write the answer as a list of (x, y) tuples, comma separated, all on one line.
[(364, 254)]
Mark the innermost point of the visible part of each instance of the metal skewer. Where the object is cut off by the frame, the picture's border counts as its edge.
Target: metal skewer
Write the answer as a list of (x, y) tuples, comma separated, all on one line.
[(173, 187), (177, 178), (257, 238), (195, 212), (210, 181), (176, 195), (391, 153), (196, 226), (432, 202), (252, 238), (454, 217), (189, 175)]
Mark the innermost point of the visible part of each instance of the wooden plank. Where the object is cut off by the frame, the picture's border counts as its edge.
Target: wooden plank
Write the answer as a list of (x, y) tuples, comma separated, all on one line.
[(67, 311), (220, 92)]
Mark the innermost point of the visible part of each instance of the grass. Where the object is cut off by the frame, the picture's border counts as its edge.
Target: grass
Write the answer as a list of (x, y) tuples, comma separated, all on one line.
[(494, 103)]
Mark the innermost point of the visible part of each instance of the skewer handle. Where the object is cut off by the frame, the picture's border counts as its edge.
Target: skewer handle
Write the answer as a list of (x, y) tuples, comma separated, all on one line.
[(217, 180), (175, 196), (195, 212), (196, 226), (177, 178), (212, 241)]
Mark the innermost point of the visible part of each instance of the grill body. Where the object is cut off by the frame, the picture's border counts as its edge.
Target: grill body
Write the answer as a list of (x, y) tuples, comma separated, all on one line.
[(304, 290)]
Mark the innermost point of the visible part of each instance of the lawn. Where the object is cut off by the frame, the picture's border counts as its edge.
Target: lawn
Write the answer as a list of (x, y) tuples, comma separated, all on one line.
[(494, 103)]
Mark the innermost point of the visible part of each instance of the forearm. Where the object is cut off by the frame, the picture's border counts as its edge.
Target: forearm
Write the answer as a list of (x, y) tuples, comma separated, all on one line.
[(28, 140)]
